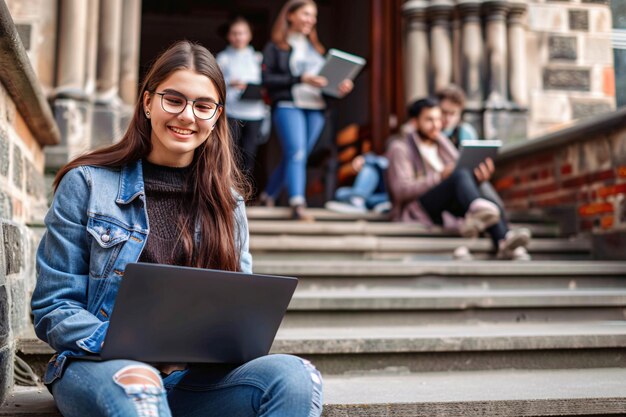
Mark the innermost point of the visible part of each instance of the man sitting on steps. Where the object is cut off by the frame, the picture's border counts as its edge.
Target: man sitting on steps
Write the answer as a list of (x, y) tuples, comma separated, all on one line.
[(423, 184)]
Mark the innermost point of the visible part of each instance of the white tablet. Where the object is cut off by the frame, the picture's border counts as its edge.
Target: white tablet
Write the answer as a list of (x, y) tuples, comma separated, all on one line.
[(339, 66), (473, 152)]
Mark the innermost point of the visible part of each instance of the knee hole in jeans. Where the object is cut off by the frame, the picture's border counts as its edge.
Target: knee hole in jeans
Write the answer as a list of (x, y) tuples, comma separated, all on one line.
[(144, 386), (136, 374)]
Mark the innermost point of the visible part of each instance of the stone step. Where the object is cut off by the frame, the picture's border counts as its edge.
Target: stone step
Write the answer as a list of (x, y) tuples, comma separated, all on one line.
[(569, 392), (284, 213), (362, 227), (380, 318), (428, 347), (400, 245), (443, 256), (417, 268), (326, 273), (502, 393), (356, 299), (467, 346), (406, 306), (452, 337)]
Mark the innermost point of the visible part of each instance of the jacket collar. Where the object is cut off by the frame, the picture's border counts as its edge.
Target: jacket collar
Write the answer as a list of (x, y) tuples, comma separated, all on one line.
[(131, 183)]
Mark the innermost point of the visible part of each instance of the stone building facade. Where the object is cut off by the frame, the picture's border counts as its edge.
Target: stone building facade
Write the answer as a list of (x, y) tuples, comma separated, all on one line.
[(88, 73), (26, 127), (528, 66)]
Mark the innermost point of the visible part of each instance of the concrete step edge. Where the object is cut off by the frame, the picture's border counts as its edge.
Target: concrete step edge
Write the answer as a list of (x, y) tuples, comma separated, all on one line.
[(376, 268), (361, 227), (422, 299), (359, 243), (436, 338), (487, 393)]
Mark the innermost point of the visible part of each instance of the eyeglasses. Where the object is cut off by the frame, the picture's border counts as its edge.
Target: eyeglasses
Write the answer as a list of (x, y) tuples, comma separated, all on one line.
[(174, 103)]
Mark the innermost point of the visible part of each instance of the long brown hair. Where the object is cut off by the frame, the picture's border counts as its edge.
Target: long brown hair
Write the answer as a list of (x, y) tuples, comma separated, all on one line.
[(281, 26), (214, 177)]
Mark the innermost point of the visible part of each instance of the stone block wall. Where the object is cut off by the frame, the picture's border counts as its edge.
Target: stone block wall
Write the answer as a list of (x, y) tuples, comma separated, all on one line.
[(26, 124), (584, 172), (570, 62), (22, 204)]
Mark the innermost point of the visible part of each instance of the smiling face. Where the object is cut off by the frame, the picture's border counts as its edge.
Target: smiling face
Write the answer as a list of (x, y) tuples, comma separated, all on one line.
[(175, 137), (303, 19)]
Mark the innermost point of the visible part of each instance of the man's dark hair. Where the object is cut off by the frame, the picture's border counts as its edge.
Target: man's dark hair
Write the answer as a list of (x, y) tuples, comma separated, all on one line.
[(418, 106), (453, 93)]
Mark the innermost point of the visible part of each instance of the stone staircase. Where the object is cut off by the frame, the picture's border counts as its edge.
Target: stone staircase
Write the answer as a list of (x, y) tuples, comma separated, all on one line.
[(398, 328)]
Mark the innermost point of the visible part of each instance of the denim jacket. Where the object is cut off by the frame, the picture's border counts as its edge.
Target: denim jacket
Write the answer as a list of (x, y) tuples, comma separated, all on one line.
[(96, 225)]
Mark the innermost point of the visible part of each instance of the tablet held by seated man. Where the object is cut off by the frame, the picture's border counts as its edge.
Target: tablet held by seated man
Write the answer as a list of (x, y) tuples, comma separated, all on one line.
[(473, 152)]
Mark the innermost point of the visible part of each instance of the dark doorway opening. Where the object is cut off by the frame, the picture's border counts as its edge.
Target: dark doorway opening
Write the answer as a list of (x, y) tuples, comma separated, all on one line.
[(342, 24)]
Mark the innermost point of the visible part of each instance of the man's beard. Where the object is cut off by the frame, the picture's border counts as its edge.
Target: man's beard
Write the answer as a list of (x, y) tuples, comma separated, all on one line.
[(424, 135)]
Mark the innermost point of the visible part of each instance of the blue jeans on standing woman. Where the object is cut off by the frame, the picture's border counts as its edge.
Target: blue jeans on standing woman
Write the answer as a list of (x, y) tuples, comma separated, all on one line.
[(298, 130), (269, 386)]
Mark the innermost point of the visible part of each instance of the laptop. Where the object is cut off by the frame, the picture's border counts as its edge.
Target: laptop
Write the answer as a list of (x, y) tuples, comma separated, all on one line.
[(179, 314)]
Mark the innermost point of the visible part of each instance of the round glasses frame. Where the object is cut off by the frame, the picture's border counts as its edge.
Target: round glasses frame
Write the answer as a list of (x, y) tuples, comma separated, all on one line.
[(187, 101)]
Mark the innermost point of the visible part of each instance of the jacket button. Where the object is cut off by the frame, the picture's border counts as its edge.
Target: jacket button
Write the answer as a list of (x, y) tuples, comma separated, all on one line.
[(105, 238)]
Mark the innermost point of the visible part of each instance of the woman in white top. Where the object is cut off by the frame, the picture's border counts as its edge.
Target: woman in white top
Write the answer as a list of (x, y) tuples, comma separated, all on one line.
[(241, 66), (291, 62)]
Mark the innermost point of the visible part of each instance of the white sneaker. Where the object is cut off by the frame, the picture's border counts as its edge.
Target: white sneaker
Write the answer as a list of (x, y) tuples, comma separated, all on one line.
[(383, 207), (480, 215), (513, 246), (346, 208), (462, 253)]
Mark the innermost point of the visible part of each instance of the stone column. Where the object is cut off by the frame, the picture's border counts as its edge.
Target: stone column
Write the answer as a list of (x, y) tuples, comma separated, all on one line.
[(106, 118), (109, 38), (92, 47), (440, 13), (497, 52), (472, 57), (70, 104), (71, 51), (129, 66), (417, 58), (517, 54), (457, 69)]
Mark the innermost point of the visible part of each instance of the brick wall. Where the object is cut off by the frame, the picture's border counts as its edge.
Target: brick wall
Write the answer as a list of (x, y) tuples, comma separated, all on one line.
[(570, 64), (584, 169)]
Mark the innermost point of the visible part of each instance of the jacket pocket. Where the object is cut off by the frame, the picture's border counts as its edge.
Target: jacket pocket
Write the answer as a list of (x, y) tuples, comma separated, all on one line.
[(108, 240)]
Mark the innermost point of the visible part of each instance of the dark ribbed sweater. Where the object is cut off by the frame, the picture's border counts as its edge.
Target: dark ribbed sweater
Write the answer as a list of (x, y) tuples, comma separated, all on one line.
[(166, 197)]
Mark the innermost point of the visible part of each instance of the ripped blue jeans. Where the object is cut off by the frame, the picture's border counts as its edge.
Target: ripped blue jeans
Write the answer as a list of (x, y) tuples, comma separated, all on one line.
[(270, 386)]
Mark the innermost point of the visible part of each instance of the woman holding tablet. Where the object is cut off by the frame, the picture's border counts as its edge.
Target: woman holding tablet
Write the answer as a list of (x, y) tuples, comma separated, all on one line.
[(168, 192), (290, 62)]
